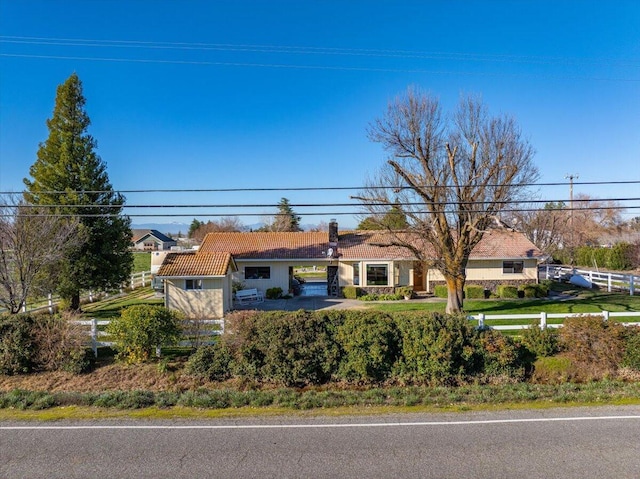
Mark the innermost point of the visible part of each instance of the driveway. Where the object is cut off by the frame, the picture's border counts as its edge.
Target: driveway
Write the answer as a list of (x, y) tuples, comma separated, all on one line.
[(309, 303)]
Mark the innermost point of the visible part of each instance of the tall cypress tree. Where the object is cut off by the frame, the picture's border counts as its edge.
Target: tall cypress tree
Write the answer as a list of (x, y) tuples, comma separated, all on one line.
[(71, 178)]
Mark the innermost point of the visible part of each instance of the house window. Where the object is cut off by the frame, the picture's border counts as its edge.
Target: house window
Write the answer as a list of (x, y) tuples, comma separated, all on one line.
[(257, 272), (193, 284), (356, 274), (511, 267), (377, 275)]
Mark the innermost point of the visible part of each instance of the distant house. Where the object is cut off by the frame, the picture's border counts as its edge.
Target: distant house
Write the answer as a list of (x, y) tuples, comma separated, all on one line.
[(264, 260), (151, 240)]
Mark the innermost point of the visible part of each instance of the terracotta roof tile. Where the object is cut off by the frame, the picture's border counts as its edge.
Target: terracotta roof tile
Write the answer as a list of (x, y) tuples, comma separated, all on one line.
[(195, 264), (505, 244), (274, 245)]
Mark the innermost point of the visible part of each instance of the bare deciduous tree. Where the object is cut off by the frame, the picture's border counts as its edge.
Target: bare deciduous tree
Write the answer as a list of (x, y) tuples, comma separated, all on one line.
[(226, 223), (450, 175), (32, 243)]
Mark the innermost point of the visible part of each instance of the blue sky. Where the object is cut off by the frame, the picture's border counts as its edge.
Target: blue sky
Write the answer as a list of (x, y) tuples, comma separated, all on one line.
[(278, 94)]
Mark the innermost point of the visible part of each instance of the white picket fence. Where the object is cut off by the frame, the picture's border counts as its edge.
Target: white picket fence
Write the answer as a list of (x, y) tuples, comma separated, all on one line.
[(543, 317), (611, 281), (95, 333)]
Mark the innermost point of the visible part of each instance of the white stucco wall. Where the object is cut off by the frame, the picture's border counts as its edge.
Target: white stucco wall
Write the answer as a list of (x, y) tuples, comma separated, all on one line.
[(211, 302)]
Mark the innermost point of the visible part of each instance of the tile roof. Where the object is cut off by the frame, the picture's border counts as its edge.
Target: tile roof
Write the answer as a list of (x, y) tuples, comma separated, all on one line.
[(195, 264), (505, 244), (356, 245), (273, 245), (495, 244)]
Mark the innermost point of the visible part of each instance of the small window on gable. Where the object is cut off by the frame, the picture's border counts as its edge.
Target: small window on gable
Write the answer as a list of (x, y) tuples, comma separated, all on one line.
[(193, 284), (257, 272), (512, 267)]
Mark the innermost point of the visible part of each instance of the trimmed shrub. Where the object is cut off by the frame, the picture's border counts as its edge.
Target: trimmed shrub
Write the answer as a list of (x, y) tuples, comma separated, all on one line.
[(631, 357), (142, 328), (436, 348), (274, 293), (369, 343), (441, 291), (210, 362), (351, 292), (404, 292), (595, 346), (540, 342), (501, 356), (297, 348), (507, 291), (288, 348), (534, 290), (553, 370), (16, 344), (474, 291)]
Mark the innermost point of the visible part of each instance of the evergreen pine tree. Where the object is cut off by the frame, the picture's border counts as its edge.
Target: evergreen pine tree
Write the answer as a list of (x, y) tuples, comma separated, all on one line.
[(71, 177), (286, 219)]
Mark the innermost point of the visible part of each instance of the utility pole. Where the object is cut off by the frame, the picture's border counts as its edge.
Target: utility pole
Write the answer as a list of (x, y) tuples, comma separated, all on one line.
[(571, 177)]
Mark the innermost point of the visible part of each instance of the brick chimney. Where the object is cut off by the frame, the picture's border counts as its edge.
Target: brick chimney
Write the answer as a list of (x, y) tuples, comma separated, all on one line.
[(333, 233)]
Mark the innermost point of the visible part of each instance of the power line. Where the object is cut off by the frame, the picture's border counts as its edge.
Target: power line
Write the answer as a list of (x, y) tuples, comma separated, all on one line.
[(310, 188), (307, 50), (317, 205), (322, 213)]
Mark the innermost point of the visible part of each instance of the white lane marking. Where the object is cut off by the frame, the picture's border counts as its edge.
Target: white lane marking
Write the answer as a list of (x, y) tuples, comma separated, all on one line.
[(319, 426)]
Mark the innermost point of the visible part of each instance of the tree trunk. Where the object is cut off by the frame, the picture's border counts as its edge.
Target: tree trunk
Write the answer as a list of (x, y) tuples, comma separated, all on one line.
[(455, 295), (74, 304)]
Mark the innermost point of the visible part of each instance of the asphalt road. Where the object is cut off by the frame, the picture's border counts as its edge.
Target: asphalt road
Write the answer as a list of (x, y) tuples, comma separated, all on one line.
[(564, 443)]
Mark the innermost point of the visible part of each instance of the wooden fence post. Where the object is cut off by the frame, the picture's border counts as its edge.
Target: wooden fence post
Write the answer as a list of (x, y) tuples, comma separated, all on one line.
[(543, 320), (605, 315), (631, 285), (50, 301), (481, 320)]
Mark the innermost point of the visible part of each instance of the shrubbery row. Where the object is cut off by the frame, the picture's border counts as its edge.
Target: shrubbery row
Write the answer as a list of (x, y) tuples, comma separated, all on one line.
[(366, 347)]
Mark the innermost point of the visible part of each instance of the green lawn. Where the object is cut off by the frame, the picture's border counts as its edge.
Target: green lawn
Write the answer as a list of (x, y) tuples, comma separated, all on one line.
[(574, 301), (141, 261), (110, 307)]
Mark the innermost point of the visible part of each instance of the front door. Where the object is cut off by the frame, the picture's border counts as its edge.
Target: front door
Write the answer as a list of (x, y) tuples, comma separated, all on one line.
[(418, 276)]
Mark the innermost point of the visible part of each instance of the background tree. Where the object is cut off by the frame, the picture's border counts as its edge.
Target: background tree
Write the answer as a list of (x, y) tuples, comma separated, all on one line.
[(193, 227), (32, 244), (394, 219), (546, 227), (284, 220), (71, 180), (452, 176), (226, 223)]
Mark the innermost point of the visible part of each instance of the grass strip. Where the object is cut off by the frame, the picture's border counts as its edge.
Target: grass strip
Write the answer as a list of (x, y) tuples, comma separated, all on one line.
[(290, 399)]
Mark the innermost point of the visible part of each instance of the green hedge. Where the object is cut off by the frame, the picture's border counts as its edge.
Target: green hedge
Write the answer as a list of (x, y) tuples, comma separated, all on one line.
[(507, 291), (474, 291), (534, 290), (441, 291)]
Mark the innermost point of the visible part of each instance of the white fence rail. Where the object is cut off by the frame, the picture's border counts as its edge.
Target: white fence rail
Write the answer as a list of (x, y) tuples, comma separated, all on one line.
[(610, 281), (95, 333), (136, 280), (543, 317)]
